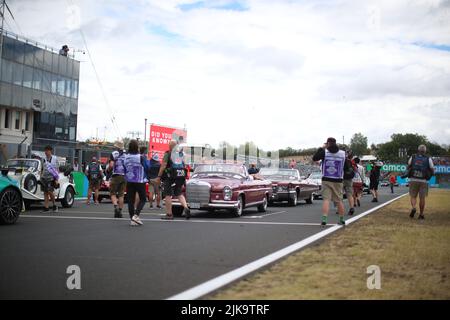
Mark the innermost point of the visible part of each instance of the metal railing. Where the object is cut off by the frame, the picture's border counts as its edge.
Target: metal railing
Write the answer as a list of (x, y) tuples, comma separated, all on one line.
[(35, 43)]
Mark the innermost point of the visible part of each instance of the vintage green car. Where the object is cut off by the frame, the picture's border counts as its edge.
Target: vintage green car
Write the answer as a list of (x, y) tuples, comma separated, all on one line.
[(10, 199)]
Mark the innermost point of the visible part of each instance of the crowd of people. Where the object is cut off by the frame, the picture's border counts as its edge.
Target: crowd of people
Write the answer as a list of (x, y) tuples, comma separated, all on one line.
[(131, 171), (343, 173)]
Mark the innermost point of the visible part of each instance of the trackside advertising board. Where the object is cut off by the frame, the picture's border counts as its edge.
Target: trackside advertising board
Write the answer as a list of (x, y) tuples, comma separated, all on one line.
[(160, 137)]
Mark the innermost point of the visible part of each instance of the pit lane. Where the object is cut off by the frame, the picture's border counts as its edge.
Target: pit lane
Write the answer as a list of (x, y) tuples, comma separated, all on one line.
[(155, 261)]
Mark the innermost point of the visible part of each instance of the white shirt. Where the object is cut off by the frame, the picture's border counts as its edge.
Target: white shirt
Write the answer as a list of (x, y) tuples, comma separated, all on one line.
[(360, 174)]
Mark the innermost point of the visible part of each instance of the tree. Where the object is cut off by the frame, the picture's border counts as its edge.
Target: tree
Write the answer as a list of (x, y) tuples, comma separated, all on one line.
[(358, 144), (402, 146)]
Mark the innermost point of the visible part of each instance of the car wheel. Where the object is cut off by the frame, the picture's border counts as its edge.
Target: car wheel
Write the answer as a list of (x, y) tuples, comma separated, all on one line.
[(240, 207), (69, 198), (294, 200), (177, 211), (30, 183), (10, 205), (310, 199), (263, 206)]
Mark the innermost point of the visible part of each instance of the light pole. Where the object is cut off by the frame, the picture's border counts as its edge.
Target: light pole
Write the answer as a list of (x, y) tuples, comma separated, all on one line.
[(145, 133)]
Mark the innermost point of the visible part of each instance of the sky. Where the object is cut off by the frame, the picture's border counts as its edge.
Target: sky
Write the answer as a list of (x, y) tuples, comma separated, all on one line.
[(281, 73)]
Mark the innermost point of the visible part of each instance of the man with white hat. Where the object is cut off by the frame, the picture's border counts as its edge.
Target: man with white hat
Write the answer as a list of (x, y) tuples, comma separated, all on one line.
[(118, 183)]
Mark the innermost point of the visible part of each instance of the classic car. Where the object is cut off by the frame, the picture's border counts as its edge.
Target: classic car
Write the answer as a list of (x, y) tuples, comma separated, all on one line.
[(315, 178), (288, 186), (224, 186), (10, 199), (27, 172)]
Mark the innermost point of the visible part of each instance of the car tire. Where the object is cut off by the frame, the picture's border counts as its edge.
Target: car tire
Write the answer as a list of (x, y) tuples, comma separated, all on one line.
[(240, 209), (294, 200), (177, 211), (310, 200), (10, 205), (69, 198), (30, 183), (263, 207)]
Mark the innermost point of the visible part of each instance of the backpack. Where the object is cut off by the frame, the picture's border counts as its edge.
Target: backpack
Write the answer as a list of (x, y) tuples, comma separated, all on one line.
[(349, 172), (176, 168), (94, 171), (420, 168)]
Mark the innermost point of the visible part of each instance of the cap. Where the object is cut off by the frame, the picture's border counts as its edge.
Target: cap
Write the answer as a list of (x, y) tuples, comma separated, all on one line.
[(155, 156)]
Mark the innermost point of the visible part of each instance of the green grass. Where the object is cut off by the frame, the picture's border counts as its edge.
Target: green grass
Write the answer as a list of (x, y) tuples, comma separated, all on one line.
[(414, 257)]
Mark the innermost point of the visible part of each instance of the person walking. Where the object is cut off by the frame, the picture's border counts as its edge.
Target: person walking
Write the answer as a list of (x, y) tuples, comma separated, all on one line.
[(333, 167), (349, 174), (143, 153), (49, 179), (358, 182), (375, 180), (173, 174), (94, 173), (392, 181), (118, 183), (135, 176), (153, 187), (420, 170)]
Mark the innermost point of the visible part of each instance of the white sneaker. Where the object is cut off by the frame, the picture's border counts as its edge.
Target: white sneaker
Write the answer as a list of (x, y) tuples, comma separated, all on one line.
[(137, 220), (133, 224)]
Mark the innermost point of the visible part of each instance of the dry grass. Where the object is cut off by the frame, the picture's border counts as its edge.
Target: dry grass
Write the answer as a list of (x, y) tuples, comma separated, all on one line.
[(414, 257)]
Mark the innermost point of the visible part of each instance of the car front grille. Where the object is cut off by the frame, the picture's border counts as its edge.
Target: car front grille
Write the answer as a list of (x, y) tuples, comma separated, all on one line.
[(198, 192)]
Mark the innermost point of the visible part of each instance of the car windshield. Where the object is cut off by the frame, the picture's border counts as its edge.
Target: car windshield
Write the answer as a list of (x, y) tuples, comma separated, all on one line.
[(219, 169), (279, 174), (22, 164)]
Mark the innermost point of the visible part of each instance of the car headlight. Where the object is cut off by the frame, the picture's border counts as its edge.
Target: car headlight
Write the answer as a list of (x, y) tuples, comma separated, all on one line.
[(227, 193)]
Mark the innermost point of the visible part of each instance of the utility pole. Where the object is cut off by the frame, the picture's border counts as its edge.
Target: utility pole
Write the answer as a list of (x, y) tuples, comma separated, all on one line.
[(2, 17)]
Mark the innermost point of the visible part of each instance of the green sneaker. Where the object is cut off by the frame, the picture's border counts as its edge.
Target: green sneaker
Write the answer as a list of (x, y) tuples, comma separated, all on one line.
[(324, 220), (341, 221)]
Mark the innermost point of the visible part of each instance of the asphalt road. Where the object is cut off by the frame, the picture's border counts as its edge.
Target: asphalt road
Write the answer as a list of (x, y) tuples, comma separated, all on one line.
[(155, 261)]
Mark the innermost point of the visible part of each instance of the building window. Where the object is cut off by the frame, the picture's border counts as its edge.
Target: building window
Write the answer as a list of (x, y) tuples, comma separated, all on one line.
[(17, 121), (27, 76), (75, 89), (46, 81), (54, 83), (7, 71), (61, 86), (37, 79), (7, 119), (17, 74), (27, 121)]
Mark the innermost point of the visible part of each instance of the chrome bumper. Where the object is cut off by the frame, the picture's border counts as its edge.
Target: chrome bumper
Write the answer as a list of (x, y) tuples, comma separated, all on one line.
[(213, 204)]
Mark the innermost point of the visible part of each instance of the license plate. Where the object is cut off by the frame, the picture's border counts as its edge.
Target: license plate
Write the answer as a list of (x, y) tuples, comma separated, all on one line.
[(194, 205)]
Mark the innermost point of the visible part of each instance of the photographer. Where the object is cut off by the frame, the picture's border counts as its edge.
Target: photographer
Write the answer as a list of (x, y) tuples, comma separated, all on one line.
[(421, 169)]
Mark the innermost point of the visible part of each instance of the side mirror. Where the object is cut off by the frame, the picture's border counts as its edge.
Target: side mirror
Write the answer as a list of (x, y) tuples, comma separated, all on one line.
[(5, 171)]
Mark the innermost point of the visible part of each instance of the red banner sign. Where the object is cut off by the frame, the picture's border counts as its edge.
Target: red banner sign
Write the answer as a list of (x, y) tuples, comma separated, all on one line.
[(160, 138)]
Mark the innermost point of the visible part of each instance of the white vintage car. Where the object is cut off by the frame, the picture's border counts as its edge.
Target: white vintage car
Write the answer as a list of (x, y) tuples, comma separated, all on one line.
[(27, 172)]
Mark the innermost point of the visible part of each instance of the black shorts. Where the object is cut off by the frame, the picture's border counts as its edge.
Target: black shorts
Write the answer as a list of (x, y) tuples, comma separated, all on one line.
[(373, 185), (48, 185), (173, 188)]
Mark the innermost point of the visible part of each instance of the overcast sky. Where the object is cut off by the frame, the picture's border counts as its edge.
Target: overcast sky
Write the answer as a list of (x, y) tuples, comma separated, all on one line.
[(278, 72)]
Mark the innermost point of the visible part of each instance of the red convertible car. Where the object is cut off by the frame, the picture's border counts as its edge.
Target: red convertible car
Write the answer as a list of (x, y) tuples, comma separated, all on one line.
[(225, 186), (288, 186)]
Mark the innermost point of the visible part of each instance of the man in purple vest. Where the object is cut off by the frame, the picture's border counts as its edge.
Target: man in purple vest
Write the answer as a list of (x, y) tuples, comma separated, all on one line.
[(333, 166)]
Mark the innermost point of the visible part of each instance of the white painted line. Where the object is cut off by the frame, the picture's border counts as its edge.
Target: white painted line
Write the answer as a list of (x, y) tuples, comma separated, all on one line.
[(263, 215), (227, 278), (180, 220)]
